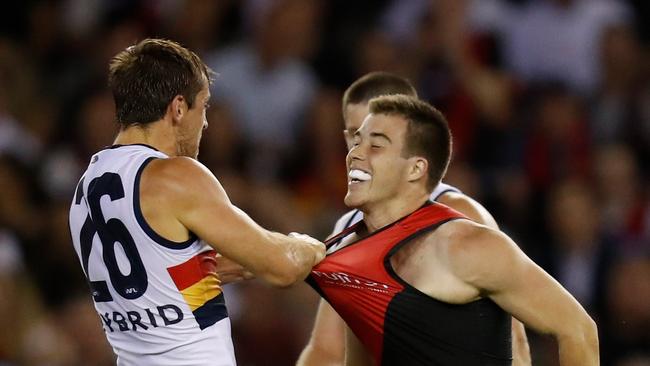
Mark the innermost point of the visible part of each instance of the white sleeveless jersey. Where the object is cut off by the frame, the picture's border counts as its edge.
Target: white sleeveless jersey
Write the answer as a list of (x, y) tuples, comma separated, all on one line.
[(354, 216), (159, 301)]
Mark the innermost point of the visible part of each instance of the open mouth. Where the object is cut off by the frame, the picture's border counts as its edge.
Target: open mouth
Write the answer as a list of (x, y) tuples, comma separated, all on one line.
[(358, 176)]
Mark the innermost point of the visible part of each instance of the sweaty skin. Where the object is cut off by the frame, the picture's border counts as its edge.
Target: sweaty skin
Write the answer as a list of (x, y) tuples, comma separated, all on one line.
[(468, 261), (327, 343), (179, 195), (465, 260)]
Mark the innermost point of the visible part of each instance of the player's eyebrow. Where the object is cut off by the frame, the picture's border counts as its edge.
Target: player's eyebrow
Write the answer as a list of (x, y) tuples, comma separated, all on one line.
[(375, 135), (380, 135)]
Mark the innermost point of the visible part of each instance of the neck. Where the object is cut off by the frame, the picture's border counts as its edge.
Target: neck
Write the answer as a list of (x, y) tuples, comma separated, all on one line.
[(155, 134), (380, 214)]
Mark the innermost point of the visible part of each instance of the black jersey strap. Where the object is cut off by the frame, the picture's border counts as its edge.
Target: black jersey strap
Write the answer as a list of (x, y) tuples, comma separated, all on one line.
[(336, 239)]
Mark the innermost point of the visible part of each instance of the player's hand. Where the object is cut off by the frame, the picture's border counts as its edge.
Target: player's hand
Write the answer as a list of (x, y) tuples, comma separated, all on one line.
[(317, 246), (230, 271)]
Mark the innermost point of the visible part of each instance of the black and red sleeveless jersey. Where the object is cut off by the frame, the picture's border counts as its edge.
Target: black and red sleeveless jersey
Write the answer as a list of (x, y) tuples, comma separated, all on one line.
[(398, 324)]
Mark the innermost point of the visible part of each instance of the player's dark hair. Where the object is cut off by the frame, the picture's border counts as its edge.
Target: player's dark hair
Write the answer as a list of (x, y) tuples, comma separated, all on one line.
[(145, 78), (427, 133), (375, 84)]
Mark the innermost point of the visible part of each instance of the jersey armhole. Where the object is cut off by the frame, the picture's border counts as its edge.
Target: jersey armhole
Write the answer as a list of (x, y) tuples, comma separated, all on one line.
[(151, 233), (389, 267)]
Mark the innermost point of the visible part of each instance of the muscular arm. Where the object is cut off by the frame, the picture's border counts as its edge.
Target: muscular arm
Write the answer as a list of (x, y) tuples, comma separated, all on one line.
[(493, 264), (199, 204), (230, 271), (475, 211), (355, 353), (326, 346)]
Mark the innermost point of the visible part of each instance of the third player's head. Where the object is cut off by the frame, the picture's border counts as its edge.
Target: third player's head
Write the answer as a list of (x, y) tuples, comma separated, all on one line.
[(357, 96), (159, 81), (401, 150)]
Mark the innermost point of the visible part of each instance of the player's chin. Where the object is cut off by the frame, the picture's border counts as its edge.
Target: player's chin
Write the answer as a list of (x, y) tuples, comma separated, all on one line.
[(354, 199)]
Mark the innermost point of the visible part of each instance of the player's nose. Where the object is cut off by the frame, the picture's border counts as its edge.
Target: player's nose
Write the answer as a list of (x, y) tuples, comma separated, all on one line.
[(355, 153)]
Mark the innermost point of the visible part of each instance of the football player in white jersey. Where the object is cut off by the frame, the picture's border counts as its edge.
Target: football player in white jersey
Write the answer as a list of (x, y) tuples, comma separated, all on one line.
[(147, 219), (326, 345)]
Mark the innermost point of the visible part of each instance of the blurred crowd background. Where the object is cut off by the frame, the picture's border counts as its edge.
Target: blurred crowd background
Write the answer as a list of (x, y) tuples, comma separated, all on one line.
[(548, 101)]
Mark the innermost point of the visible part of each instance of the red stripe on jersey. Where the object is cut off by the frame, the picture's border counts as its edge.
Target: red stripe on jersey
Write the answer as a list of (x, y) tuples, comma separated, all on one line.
[(194, 270)]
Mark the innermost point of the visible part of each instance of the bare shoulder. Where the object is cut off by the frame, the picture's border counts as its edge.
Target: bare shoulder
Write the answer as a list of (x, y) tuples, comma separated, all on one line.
[(477, 254), (177, 169), (178, 179), (468, 207)]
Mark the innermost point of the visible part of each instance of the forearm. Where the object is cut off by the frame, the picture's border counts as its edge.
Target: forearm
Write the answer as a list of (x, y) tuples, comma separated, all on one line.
[(355, 353), (230, 271), (314, 356), (581, 348), (293, 262), (326, 346), (520, 348)]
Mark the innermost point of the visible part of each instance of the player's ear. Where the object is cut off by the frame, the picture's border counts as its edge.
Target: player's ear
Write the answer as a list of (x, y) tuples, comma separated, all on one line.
[(177, 108), (418, 168)]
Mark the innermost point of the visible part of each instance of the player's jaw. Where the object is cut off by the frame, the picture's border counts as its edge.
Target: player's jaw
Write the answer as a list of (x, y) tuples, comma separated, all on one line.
[(187, 143), (373, 180), (189, 134), (370, 182), (371, 188), (355, 198)]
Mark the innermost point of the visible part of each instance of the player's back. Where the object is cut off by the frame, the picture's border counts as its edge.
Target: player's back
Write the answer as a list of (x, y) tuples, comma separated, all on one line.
[(159, 301)]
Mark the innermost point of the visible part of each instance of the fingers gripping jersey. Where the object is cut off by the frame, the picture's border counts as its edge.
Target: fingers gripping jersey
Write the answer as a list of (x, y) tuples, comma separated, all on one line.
[(159, 301), (398, 324)]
